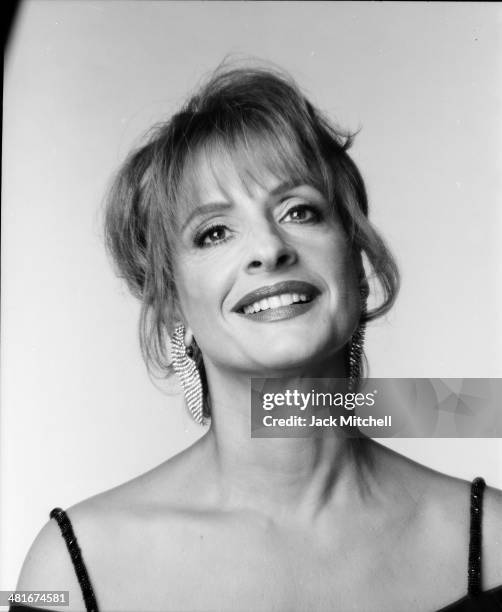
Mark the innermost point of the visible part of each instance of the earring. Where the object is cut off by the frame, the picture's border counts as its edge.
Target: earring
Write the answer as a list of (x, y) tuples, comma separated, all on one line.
[(189, 376), (357, 344)]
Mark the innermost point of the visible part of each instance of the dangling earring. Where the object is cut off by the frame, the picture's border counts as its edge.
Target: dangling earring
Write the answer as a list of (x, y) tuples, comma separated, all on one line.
[(186, 369), (357, 344)]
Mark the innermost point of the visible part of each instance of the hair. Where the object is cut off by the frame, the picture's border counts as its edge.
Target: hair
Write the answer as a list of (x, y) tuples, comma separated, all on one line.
[(260, 118)]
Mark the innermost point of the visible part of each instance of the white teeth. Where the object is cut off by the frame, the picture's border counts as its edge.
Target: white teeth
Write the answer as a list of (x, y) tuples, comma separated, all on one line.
[(276, 301), (286, 299)]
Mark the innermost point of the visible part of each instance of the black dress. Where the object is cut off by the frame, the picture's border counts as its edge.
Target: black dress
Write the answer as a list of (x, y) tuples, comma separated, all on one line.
[(475, 600)]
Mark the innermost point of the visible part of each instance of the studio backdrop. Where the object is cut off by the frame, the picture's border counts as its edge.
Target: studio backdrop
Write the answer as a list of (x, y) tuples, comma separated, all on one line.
[(420, 83)]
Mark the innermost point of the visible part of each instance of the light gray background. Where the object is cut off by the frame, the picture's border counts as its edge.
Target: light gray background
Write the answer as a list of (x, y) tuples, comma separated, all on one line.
[(85, 79)]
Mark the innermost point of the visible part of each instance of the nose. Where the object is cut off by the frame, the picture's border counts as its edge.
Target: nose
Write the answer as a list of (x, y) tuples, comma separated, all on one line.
[(269, 250)]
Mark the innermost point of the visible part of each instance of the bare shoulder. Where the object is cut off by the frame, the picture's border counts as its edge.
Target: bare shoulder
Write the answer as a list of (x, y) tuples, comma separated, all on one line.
[(48, 566), (164, 491), (110, 525), (451, 497), (443, 506)]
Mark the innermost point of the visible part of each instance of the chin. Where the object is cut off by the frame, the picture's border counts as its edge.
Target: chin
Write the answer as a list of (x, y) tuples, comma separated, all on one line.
[(289, 358)]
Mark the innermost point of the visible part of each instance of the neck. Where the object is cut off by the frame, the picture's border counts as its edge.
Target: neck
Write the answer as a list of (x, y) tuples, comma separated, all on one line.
[(279, 477)]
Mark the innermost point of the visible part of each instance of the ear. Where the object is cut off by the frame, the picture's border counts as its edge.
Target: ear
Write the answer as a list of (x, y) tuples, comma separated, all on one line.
[(188, 336), (177, 318)]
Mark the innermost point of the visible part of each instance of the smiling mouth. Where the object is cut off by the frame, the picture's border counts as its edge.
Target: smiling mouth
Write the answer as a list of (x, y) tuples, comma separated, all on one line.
[(276, 301), (281, 300)]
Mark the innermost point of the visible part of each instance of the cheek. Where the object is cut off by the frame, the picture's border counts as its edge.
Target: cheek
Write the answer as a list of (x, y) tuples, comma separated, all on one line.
[(349, 289), (337, 267), (332, 255), (200, 291)]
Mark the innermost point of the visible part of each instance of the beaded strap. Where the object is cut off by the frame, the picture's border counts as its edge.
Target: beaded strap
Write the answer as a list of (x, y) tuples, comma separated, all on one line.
[(474, 570), (76, 556)]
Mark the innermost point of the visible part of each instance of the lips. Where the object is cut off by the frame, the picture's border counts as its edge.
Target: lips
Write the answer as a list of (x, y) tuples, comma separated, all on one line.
[(278, 295)]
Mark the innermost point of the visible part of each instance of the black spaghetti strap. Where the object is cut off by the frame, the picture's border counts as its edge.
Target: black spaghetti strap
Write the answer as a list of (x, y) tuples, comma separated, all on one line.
[(474, 570), (76, 556)]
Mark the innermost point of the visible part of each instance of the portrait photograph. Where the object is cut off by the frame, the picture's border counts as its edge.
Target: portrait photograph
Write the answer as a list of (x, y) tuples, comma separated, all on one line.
[(251, 307)]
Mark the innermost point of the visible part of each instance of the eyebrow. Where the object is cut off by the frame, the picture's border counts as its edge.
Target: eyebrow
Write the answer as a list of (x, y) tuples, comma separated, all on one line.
[(203, 209), (213, 207)]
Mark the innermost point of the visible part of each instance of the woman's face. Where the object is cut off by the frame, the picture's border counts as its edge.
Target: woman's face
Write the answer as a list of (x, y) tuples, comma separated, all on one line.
[(264, 274)]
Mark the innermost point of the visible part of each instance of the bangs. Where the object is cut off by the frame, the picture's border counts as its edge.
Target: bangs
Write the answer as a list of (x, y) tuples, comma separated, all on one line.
[(251, 150), (249, 125)]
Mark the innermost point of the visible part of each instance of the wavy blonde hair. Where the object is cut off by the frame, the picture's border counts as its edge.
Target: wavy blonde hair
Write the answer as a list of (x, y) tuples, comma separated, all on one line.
[(262, 119)]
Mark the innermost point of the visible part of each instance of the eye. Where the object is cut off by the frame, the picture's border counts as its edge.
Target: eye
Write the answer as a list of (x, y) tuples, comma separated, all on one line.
[(211, 236), (302, 213)]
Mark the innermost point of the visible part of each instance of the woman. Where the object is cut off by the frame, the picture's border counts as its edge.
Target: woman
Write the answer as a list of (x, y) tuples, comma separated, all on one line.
[(241, 225)]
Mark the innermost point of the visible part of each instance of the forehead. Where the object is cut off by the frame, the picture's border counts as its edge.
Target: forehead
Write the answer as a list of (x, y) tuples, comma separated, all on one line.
[(216, 176), (221, 170)]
